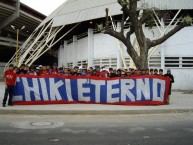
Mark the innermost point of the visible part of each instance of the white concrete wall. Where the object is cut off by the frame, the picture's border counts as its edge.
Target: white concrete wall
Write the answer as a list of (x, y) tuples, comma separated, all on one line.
[(69, 53), (82, 49), (105, 46), (183, 79), (179, 45)]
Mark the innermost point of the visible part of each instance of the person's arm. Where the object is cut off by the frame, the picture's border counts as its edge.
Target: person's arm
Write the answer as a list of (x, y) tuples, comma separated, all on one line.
[(172, 79), (15, 79)]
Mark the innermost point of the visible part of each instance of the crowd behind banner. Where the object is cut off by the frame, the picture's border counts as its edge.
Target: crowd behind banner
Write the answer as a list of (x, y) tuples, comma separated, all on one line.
[(84, 71), (102, 72), (98, 71)]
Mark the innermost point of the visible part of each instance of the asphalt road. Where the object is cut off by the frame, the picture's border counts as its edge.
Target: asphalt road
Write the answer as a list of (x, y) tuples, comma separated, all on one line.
[(162, 129)]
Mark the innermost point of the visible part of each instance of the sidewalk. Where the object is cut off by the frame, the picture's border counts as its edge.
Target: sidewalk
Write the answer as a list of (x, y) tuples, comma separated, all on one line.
[(179, 103)]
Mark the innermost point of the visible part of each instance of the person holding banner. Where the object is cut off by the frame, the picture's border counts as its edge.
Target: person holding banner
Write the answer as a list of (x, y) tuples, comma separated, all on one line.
[(168, 74), (54, 70), (32, 71), (10, 81), (44, 71), (161, 72)]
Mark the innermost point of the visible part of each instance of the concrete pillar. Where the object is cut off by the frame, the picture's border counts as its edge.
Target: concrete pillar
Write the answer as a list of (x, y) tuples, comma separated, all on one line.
[(90, 48), (75, 51), (60, 55), (163, 56), (64, 54), (119, 60), (163, 48)]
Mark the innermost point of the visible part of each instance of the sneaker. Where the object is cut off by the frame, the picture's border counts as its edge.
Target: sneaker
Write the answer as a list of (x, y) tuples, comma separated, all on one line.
[(4, 105)]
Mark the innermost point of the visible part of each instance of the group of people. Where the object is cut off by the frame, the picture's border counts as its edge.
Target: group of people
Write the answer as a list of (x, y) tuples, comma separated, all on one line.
[(84, 71), (11, 74)]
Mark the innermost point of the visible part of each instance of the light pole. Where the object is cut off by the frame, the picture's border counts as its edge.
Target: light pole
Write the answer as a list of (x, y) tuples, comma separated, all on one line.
[(17, 42)]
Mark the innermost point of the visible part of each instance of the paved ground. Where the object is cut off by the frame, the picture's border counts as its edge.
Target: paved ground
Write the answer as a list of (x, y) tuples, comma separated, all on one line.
[(143, 129), (179, 102)]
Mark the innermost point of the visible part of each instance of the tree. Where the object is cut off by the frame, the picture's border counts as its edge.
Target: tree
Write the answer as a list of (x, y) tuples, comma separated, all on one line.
[(133, 16)]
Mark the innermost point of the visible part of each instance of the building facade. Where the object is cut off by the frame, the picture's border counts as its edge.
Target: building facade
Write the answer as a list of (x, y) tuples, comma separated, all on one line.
[(69, 30), (102, 50)]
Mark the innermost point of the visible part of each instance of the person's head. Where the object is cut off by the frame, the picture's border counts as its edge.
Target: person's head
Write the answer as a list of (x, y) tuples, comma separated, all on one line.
[(143, 72), (37, 69), (61, 70), (147, 72), (119, 71), (136, 71), (16, 69), (65, 70), (98, 69), (123, 74), (151, 71), (48, 67), (11, 67), (103, 69), (155, 71), (22, 66), (139, 71), (91, 69), (84, 72), (110, 70), (94, 72), (32, 68), (27, 68), (160, 71), (76, 69), (132, 70), (41, 67), (55, 65), (44, 68), (168, 71), (69, 70), (85, 65)]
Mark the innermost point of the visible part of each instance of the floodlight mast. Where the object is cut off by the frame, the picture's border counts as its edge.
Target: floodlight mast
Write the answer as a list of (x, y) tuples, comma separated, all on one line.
[(17, 42)]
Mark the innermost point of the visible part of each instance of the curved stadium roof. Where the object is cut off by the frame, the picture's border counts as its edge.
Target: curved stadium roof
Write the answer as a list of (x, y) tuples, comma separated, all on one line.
[(63, 23), (73, 11)]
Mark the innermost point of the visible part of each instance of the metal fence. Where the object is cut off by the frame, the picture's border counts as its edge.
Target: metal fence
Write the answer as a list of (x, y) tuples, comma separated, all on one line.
[(2, 66)]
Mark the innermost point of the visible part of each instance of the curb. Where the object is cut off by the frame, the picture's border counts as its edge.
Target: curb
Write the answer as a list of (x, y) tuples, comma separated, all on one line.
[(93, 112)]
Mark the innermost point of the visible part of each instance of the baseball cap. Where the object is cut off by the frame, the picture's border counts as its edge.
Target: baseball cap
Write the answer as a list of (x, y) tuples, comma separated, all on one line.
[(55, 64), (168, 70)]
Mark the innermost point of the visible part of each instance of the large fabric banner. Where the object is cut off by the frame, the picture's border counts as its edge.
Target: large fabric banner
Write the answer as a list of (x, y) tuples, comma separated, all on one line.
[(142, 90)]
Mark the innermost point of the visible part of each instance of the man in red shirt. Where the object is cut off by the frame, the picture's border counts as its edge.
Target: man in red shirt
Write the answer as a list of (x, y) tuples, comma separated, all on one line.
[(10, 80), (104, 73), (54, 70), (44, 71)]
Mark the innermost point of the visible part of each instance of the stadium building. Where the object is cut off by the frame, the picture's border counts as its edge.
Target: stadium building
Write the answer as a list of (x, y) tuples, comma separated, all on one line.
[(72, 31), (15, 15)]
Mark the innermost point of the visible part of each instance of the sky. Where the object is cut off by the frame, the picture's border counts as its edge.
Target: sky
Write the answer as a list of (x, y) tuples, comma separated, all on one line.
[(45, 7)]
